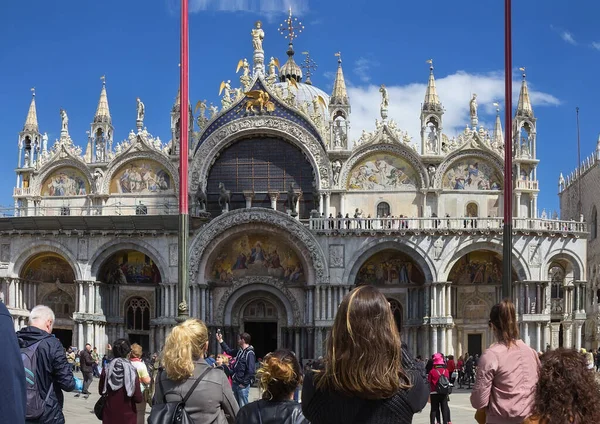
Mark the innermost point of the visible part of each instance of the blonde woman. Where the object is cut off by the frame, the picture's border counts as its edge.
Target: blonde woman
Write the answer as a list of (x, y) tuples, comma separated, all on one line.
[(212, 400)]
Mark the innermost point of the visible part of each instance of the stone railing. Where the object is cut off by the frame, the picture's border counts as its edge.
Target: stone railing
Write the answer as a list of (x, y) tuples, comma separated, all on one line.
[(527, 185), (368, 225), (22, 191), (92, 210)]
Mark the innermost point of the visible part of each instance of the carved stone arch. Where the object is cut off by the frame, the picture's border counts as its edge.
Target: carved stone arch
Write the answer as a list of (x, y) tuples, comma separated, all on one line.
[(339, 112), (51, 167), (145, 303), (104, 252), (566, 256), (48, 247), (145, 154), (244, 286), (402, 150), (467, 246), (309, 247), (235, 310), (433, 117), (487, 156), (239, 129), (418, 255)]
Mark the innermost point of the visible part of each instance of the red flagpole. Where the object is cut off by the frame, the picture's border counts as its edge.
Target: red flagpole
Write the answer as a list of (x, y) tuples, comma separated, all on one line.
[(508, 146), (183, 165)]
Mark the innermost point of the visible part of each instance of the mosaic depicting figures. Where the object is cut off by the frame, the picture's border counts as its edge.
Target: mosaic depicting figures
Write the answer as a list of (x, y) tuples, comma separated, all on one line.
[(65, 182), (472, 174), (49, 269), (481, 267), (389, 267), (130, 267), (257, 255), (141, 177), (382, 171)]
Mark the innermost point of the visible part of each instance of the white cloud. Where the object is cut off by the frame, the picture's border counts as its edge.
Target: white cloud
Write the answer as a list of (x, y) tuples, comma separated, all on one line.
[(454, 90), (568, 37), (362, 68), (596, 45), (262, 7)]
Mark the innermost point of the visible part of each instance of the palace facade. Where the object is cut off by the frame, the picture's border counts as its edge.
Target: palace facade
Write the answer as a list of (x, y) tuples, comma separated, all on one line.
[(288, 214)]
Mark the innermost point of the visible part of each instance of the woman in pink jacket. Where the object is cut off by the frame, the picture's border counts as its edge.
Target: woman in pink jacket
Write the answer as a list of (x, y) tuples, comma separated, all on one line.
[(507, 372)]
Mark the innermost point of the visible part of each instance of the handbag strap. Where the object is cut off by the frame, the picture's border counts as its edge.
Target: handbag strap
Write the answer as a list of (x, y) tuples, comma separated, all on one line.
[(189, 393), (259, 414)]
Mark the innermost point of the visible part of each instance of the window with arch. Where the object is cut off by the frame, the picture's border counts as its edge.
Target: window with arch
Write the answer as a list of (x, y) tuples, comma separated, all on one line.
[(261, 310), (556, 275), (137, 316), (594, 224), (383, 209), (61, 303), (472, 210)]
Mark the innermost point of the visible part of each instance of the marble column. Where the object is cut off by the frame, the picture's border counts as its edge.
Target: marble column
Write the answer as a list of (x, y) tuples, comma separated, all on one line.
[(427, 292), (317, 308), (538, 336), (434, 340), (433, 300), (578, 335), (449, 299), (329, 302), (449, 341), (343, 204), (327, 204), (444, 347), (321, 204), (248, 195), (274, 195)]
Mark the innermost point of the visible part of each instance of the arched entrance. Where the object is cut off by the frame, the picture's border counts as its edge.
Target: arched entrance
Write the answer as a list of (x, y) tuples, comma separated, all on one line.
[(397, 311), (259, 319), (52, 277)]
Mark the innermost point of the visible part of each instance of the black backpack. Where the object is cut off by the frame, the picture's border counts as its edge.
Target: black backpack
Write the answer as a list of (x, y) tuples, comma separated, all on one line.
[(443, 386), (35, 403), (173, 412)]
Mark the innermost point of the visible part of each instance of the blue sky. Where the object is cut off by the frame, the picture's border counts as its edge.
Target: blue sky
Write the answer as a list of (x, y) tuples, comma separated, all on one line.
[(63, 48)]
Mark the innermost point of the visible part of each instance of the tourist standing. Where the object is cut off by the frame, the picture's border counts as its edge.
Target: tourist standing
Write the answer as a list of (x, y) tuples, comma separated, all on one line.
[(439, 401), (12, 390), (87, 368), (507, 372), (212, 400), (71, 358), (278, 377), (53, 373), (142, 372), (120, 383), (362, 379), (244, 367), (567, 392)]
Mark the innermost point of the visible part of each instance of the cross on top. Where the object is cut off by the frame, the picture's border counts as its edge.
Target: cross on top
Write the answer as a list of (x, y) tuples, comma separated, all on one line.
[(292, 26), (308, 65)]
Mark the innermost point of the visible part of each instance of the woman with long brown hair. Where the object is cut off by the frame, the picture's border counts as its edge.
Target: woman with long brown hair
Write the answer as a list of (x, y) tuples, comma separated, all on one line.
[(507, 372), (362, 379), (567, 391)]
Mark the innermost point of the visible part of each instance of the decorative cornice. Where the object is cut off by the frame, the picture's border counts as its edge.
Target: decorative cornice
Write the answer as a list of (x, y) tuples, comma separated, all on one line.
[(209, 150)]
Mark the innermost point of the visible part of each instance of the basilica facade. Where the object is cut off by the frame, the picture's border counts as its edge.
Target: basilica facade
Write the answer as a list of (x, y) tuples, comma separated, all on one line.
[(288, 214)]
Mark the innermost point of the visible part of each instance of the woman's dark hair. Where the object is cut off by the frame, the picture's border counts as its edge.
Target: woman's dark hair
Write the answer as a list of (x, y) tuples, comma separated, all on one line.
[(352, 366), (279, 375), (567, 391), (121, 348), (504, 319)]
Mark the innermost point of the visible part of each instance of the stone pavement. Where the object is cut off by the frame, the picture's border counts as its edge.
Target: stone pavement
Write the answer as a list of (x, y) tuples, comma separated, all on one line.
[(80, 411)]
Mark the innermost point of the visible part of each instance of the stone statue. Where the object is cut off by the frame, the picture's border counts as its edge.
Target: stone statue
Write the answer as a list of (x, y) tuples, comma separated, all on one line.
[(257, 36), (432, 139), (245, 69), (385, 101), (292, 199), (224, 197), (141, 110), (97, 181), (431, 171), (473, 107), (226, 90), (213, 110), (45, 142), (272, 64), (336, 166), (64, 121)]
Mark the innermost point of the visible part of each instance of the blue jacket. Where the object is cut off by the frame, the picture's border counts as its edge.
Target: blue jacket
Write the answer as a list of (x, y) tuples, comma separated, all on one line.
[(12, 373), (245, 364), (53, 371)]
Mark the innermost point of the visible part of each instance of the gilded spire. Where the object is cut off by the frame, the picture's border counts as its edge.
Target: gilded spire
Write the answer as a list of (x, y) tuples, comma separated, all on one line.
[(498, 134), (31, 122), (524, 106), (432, 101), (102, 111), (177, 104), (290, 30), (339, 95)]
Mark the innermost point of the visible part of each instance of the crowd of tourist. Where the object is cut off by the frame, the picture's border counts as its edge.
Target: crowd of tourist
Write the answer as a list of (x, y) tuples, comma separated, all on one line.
[(352, 383)]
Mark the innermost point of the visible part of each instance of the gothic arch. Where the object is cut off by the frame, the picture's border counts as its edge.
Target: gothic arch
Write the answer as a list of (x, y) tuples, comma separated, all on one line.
[(246, 287), (204, 243), (397, 149), (238, 129), (104, 252), (565, 256), (51, 167), (142, 152), (48, 247), (486, 156), (420, 257), (468, 246)]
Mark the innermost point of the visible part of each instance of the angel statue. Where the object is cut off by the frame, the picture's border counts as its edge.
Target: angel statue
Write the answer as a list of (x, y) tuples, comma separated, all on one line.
[(201, 119), (226, 90), (257, 36), (141, 110), (272, 64), (473, 107), (243, 63), (45, 142), (64, 120), (213, 110)]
